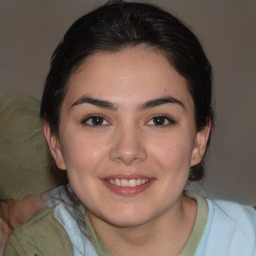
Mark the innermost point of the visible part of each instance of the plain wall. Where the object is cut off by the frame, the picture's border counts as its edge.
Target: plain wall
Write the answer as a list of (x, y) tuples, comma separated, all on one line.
[(31, 29)]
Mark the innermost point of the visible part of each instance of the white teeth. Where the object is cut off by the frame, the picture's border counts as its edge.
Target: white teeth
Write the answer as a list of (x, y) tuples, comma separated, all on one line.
[(117, 182), (124, 183), (132, 183), (138, 182), (127, 183)]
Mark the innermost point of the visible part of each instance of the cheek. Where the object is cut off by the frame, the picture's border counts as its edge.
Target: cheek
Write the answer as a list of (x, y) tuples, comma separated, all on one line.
[(173, 152), (83, 154)]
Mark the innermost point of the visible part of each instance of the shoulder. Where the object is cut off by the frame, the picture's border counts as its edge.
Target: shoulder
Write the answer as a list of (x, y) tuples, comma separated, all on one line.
[(230, 229), (41, 235), (241, 216)]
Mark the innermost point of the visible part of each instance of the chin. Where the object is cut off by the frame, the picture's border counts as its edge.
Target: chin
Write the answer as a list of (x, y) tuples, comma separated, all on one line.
[(127, 222), (127, 218)]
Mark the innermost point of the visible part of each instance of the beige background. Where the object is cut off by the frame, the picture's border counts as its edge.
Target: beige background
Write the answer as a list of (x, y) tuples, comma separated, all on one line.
[(31, 29)]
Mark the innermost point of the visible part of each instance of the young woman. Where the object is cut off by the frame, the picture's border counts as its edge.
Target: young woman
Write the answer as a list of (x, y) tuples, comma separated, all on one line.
[(127, 114)]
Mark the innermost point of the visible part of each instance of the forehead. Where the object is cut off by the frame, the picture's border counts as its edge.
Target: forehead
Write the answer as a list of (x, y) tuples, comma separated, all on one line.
[(138, 73)]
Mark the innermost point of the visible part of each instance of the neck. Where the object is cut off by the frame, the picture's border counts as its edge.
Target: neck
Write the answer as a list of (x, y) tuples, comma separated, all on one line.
[(166, 234)]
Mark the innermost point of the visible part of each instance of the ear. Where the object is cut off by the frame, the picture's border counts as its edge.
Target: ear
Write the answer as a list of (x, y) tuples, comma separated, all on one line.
[(54, 146), (200, 145)]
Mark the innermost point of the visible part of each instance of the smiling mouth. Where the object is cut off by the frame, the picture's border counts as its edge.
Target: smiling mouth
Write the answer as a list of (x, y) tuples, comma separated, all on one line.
[(128, 186), (127, 183)]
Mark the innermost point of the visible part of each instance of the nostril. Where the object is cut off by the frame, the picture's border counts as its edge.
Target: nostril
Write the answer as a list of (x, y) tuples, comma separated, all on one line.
[(128, 147)]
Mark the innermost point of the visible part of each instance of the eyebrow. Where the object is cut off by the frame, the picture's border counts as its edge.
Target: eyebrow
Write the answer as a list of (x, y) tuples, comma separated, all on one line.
[(109, 105), (95, 102), (161, 101)]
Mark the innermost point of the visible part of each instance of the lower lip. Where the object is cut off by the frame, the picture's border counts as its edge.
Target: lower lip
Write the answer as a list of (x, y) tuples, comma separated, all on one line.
[(128, 191)]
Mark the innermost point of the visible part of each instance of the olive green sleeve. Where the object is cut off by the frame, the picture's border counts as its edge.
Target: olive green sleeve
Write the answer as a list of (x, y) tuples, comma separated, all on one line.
[(42, 235), (16, 247)]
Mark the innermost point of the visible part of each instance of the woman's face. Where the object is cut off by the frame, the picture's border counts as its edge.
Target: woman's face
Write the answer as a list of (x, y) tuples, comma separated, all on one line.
[(127, 136)]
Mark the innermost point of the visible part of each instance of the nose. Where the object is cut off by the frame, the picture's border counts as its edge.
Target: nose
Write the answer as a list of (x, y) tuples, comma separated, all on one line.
[(128, 146)]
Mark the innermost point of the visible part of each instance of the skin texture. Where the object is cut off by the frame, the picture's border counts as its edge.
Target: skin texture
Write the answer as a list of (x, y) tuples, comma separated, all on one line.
[(130, 142)]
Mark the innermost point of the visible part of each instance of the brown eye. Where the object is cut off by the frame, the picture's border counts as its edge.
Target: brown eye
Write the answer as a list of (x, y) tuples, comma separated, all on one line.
[(95, 120), (160, 121)]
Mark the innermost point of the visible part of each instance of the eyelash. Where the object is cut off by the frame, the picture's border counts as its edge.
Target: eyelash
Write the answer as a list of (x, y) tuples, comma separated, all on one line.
[(92, 118), (164, 118), (103, 122)]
